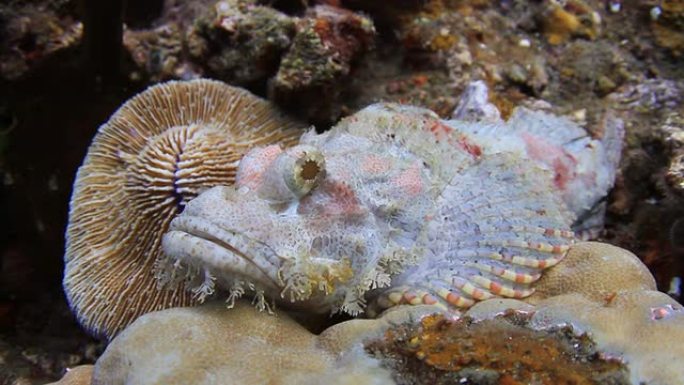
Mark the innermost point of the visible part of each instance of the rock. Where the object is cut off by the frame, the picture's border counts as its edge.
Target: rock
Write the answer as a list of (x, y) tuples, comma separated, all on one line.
[(643, 328), (561, 21), (241, 42), (595, 314), (158, 53), (32, 32), (503, 349), (312, 74), (668, 26), (673, 130), (609, 294)]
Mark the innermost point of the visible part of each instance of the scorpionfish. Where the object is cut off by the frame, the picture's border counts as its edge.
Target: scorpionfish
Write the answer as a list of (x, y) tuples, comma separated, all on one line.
[(392, 206)]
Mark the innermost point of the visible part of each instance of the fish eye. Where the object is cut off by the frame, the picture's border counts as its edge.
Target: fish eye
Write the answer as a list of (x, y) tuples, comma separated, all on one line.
[(293, 174), (310, 170)]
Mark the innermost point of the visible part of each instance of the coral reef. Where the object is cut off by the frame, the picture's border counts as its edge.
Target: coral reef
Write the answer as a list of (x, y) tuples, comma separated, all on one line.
[(31, 32), (238, 41), (158, 53), (241, 42), (307, 60), (589, 61), (520, 51), (312, 73)]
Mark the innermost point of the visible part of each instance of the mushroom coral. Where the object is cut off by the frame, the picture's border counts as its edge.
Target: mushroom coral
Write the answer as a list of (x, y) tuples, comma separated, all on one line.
[(157, 152)]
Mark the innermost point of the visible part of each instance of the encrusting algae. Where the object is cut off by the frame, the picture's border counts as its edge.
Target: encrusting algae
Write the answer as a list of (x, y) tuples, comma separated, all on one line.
[(495, 351)]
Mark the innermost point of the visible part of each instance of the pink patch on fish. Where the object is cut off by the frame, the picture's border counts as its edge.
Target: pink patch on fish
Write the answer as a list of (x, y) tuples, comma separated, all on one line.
[(339, 200), (555, 157), (409, 181), (375, 165), (444, 132), (254, 164)]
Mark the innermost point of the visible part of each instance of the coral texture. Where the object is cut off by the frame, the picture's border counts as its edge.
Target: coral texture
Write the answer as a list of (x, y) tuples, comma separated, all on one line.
[(312, 73), (241, 41), (241, 346)]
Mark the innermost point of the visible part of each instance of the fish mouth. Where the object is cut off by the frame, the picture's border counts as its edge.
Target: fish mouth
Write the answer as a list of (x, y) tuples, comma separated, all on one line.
[(226, 254), (230, 256)]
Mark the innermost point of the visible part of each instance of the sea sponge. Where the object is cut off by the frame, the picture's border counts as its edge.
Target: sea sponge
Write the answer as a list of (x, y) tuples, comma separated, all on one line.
[(158, 151)]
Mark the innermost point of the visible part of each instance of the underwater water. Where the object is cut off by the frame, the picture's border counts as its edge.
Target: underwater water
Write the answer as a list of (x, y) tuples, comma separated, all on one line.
[(590, 68)]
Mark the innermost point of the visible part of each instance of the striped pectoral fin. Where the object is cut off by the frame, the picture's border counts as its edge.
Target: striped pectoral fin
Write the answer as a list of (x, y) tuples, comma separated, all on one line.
[(508, 274), (528, 261), (522, 243), (455, 298), (439, 294), (475, 292), (407, 295), (500, 289), (521, 229)]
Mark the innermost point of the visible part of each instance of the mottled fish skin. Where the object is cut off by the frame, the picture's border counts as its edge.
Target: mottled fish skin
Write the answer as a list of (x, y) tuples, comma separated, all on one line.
[(392, 206)]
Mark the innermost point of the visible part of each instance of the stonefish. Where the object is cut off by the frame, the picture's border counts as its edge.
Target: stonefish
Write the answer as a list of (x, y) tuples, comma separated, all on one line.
[(394, 206)]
